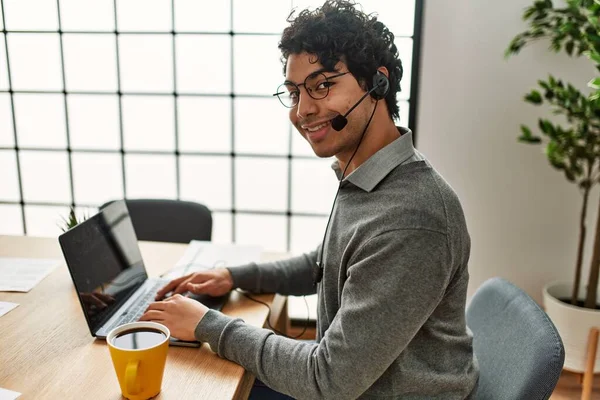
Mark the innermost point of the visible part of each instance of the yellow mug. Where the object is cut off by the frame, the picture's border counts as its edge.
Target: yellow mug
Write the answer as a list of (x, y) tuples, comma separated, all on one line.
[(139, 353)]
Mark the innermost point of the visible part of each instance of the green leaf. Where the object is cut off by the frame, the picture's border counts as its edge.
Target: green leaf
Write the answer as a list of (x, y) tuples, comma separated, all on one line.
[(71, 220), (546, 127), (594, 37), (566, 27), (526, 131), (569, 48), (534, 97), (594, 83), (592, 55), (527, 136), (554, 155), (530, 140), (528, 13), (556, 163), (555, 160)]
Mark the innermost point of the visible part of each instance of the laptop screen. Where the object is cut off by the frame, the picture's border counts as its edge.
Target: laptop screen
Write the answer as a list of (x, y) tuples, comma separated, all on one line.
[(105, 262)]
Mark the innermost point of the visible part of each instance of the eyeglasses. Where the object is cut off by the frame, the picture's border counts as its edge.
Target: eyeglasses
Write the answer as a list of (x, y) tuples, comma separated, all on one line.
[(316, 84)]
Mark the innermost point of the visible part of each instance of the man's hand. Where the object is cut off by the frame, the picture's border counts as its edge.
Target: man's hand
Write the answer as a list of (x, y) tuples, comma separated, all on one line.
[(178, 313), (214, 282)]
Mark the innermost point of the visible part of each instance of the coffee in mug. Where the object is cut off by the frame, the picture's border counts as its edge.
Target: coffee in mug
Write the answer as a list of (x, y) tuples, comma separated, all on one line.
[(140, 338)]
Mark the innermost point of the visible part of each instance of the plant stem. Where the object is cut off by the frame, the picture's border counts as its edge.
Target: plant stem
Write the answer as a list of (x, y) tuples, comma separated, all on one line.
[(592, 288), (582, 234)]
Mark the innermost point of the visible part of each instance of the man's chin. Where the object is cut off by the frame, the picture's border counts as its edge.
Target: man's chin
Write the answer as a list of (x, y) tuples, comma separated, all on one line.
[(321, 152)]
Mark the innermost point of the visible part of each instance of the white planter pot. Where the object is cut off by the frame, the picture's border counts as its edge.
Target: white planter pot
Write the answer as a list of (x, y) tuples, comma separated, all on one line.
[(573, 324)]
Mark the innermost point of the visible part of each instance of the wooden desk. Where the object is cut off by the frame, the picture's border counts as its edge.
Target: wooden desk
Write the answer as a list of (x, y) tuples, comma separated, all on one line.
[(47, 352)]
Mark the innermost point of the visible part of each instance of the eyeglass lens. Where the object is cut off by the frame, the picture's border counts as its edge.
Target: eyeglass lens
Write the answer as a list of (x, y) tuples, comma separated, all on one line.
[(317, 87)]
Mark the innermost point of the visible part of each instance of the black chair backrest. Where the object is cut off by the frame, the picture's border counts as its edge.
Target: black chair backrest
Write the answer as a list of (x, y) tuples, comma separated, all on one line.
[(163, 220)]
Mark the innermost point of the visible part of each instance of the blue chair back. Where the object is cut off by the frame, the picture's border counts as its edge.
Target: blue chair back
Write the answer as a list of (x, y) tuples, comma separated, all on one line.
[(518, 348)]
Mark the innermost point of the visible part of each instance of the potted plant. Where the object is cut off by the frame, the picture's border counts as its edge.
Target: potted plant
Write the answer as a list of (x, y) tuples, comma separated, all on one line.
[(573, 149), (70, 220)]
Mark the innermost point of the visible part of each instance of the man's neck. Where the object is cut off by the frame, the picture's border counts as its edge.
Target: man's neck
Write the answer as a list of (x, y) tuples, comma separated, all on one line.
[(381, 132)]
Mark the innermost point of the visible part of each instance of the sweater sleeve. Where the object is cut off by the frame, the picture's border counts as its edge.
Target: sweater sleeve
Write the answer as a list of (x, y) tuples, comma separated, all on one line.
[(287, 277), (394, 283)]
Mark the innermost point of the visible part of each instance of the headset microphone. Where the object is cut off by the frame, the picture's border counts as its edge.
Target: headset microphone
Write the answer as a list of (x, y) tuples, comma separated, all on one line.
[(381, 85), (340, 121)]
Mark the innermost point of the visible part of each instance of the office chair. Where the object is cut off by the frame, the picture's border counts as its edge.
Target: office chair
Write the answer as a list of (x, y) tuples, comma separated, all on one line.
[(169, 220), (519, 350)]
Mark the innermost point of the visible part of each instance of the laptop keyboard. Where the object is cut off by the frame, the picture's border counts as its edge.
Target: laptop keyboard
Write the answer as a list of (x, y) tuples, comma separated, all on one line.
[(137, 309)]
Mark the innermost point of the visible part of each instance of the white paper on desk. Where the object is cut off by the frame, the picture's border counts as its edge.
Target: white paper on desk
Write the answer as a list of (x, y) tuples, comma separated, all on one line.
[(202, 255), (22, 274), (5, 307), (6, 394)]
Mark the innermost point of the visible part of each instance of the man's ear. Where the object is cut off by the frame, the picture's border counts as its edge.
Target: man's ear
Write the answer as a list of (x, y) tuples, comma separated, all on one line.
[(384, 71)]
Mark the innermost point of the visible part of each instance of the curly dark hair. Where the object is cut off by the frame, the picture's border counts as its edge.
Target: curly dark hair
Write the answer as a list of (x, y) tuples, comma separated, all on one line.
[(338, 31)]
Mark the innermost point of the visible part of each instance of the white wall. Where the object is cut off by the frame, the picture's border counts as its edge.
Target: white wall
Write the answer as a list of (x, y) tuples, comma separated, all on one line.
[(522, 214)]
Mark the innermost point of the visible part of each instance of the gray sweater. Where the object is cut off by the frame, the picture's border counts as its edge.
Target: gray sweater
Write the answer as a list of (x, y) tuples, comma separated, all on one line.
[(391, 310)]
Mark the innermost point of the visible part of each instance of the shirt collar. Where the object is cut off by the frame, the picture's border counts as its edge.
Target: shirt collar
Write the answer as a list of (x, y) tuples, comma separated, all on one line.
[(379, 165)]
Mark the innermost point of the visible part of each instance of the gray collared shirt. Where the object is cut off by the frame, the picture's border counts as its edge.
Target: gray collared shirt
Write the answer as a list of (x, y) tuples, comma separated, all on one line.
[(379, 165), (391, 309)]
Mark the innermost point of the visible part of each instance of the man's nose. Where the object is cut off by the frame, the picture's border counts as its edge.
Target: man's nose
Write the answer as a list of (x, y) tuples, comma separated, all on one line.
[(306, 105)]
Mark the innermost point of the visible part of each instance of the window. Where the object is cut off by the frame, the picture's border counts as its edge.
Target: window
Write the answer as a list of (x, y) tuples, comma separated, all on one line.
[(101, 101)]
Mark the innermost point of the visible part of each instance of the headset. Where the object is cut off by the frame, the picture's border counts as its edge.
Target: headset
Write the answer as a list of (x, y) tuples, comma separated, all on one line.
[(378, 91)]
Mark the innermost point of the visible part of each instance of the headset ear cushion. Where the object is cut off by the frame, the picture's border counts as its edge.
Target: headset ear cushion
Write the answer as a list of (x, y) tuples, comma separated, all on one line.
[(382, 83)]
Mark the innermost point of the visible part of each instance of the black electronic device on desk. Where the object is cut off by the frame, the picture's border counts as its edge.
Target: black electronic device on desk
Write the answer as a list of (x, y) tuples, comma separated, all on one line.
[(105, 262)]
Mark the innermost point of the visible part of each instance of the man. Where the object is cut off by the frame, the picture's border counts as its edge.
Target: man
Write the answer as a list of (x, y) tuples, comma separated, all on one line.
[(392, 275)]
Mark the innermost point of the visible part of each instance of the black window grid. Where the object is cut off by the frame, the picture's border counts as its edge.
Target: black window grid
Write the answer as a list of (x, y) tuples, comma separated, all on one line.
[(289, 214)]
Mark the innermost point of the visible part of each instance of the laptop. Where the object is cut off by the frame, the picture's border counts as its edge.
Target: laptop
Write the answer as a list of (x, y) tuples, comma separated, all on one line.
[(106, 265)]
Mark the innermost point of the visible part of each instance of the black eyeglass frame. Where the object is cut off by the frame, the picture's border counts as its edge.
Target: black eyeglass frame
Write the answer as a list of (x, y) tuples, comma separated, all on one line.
[(311, 76)]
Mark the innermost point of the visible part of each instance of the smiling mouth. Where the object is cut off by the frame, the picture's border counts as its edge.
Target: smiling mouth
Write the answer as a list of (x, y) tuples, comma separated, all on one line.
[(316, 128), (318, 132)]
